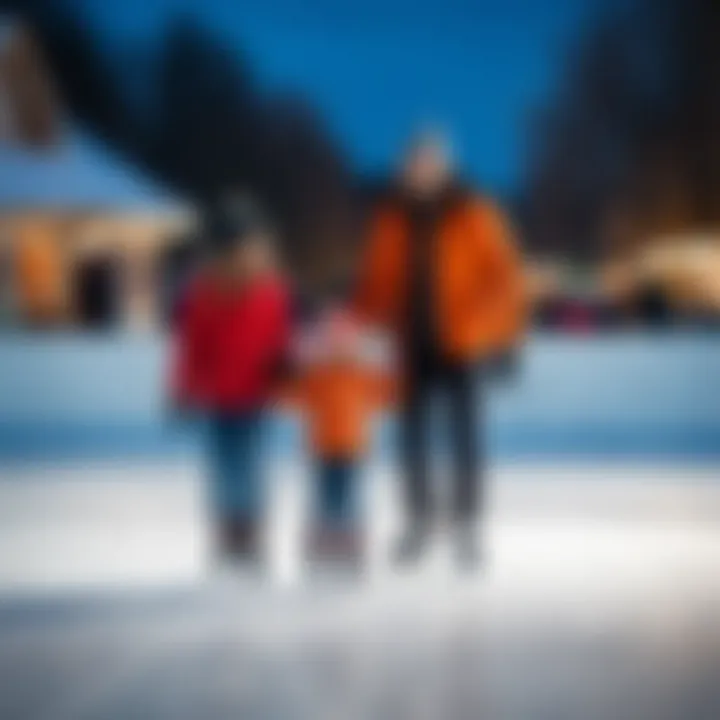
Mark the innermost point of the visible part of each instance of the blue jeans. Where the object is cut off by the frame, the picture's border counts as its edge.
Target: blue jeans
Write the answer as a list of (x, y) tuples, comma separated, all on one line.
[(234, 458), (336, 491)]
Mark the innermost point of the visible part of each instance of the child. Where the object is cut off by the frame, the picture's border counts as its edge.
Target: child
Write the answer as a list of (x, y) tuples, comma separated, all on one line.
[(232, 337), (337, 395)]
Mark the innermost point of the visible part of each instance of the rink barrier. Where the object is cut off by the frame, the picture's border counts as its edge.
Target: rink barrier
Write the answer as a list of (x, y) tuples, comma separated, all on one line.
[(622, 396)]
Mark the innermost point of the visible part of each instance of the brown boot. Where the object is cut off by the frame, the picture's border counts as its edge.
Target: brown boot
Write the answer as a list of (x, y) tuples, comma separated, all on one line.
[(331, 545), (239, 539)]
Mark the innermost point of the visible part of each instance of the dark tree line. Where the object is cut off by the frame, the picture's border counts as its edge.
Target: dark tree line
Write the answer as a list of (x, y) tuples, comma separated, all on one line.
[(630, 147), (207, 129)]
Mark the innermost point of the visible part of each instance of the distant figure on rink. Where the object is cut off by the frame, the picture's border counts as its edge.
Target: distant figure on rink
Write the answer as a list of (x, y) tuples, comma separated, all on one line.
[(231, 343), (337, 392), (441, 271)]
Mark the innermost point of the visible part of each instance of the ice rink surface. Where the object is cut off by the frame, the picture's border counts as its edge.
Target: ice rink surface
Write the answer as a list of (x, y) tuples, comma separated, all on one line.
[(599, 599)]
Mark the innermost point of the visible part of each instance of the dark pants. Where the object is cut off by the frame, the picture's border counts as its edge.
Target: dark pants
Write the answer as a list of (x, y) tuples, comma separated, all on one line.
[(234, 462), (336, 491), (459, 385)]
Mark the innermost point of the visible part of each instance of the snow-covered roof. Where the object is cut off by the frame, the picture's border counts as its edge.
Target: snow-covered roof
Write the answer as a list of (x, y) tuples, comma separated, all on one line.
[(78, 174)]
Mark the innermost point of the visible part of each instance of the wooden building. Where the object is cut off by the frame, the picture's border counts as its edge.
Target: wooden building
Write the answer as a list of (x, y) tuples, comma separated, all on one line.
[(82, 233)]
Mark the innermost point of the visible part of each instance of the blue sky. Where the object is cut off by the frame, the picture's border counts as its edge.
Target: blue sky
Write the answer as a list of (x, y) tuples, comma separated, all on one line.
[(375, 69)]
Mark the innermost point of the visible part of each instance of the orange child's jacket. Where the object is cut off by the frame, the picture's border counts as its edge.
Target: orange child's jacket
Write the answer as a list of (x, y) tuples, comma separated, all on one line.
[(478, 278), (338, 399)]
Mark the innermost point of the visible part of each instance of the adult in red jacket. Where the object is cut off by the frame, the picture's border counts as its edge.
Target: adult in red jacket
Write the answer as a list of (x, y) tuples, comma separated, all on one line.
[(231, 339)]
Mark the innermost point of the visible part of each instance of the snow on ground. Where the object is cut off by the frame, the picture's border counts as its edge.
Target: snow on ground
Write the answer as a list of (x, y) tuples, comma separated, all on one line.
[(92, 525), (599, 600)]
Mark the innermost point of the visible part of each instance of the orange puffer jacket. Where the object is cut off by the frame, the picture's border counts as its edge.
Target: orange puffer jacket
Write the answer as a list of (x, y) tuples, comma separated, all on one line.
[(478, 278), (338, 400)]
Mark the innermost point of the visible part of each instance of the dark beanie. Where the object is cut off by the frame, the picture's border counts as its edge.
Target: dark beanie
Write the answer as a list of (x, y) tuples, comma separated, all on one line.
[(232, 220)]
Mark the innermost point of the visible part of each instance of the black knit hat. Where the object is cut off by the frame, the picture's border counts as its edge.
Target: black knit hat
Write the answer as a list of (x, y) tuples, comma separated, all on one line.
[(232, 220)]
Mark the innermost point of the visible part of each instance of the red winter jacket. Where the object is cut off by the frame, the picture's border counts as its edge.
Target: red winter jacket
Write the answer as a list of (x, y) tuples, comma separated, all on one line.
[(230, 344)]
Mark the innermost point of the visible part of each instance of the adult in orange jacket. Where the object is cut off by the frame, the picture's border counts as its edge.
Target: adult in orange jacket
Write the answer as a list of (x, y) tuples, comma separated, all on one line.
[(442, 273)]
